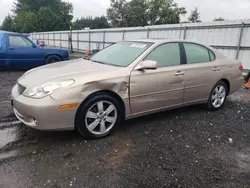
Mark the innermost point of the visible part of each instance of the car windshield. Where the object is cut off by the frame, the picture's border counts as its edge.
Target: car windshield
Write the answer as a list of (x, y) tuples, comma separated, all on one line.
[(121, 54)]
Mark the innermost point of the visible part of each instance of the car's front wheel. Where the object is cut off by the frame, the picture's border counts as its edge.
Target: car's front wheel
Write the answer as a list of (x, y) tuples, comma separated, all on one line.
[(52, 59), (218, 96), (98, 116)]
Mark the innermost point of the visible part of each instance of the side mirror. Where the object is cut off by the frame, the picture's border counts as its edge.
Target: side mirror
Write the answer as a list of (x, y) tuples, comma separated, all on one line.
[(147, 65), (34, 46)]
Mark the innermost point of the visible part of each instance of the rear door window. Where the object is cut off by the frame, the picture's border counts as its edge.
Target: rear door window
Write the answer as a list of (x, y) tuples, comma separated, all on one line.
[(197, 54)]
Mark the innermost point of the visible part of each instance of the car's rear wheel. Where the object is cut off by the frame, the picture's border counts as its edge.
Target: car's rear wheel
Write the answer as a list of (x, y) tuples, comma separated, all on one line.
[(98, 116), (52, 59), (218, 96)]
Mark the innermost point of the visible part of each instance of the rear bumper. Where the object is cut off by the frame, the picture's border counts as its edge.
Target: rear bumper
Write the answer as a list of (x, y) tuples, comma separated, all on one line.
[(43, 114), (236, 84), (246, 74)]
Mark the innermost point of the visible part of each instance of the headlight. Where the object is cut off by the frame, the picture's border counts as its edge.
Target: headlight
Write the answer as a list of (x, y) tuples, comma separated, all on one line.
[(47, 89)]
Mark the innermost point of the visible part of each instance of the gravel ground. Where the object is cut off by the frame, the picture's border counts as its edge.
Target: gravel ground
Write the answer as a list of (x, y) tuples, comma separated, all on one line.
[(187, 147)]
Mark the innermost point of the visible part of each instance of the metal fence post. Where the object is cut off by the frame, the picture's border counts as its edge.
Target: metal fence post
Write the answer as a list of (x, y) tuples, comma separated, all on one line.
[(89, 40), (239, 42), (123, 34), (48, 38), (78, 45), (148, 32), (60, 40), (69, 41), (180, 31), (54, 39), (185, 32), (104, 38)]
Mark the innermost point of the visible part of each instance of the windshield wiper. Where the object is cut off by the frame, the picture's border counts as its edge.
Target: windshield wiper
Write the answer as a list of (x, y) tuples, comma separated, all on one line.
[(97, 61), (106, 63), (87, 58)]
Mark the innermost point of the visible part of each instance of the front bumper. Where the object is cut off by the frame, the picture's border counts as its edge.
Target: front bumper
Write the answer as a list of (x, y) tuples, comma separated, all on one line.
[(43, 114), (66, 58)]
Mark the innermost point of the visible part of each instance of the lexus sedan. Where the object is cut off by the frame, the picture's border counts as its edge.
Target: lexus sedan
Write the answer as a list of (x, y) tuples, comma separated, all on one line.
[(125, 80)]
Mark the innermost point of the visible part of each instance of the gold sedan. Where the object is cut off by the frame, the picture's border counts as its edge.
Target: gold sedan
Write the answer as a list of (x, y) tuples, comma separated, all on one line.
[(125, 80)]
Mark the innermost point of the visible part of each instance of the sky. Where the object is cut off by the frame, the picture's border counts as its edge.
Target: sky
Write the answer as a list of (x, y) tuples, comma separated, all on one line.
[(209, 9)]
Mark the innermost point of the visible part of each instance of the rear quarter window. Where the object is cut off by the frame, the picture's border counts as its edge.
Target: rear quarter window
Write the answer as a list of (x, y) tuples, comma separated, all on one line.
[(212, 56)]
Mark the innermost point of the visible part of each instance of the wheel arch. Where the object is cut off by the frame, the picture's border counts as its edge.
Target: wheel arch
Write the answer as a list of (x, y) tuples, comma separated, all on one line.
[(107, 92), (48, 55), (226, 81)]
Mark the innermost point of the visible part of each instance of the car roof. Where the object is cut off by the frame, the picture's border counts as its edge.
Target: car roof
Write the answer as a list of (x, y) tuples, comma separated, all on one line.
[(160, 41), (152, 40), (7, 32), (166, 40), (13, 33)]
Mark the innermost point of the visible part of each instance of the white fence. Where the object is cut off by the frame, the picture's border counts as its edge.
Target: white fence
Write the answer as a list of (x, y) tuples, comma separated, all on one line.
[(230, 37)]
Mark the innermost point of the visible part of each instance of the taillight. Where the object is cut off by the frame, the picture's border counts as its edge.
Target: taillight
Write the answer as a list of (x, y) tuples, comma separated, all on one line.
[(241, 68)]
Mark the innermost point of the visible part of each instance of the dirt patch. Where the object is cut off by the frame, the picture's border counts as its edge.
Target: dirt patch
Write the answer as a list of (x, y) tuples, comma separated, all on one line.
[(243, 161), (120, 151)]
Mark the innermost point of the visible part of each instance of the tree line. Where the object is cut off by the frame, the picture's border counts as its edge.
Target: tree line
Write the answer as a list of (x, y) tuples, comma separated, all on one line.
[(54, 15)]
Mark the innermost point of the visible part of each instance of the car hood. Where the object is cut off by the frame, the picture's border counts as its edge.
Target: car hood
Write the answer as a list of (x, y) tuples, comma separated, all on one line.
[(63, 70)]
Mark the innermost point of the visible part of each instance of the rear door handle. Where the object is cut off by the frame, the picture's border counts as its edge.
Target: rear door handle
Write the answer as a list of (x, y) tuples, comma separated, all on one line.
[(216, 69), (179, 73)]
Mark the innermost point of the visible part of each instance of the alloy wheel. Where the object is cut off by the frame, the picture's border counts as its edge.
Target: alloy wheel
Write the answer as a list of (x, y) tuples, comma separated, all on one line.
[(218, 96), (101, 117)]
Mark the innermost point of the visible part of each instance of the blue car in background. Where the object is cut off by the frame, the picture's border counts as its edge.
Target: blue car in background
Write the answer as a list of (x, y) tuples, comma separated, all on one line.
[(17, 51)]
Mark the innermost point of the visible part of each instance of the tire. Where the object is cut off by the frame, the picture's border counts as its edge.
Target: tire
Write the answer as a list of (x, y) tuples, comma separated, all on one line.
[(92, 125), (52, 59), (219, 93)]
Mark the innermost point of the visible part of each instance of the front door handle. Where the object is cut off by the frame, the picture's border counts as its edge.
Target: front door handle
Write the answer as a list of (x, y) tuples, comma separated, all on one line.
[(179, 73), (216, 69)]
